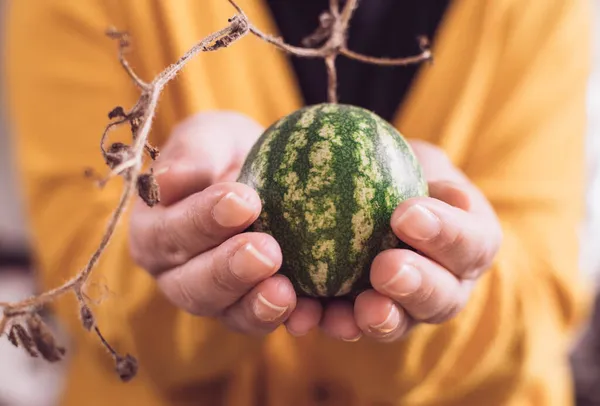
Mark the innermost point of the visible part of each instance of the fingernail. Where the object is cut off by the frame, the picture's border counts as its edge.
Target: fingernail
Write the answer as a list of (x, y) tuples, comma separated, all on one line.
[(353, 339), (389, 324), (419, 223), (294, 333), (247, 262), (267, 311), (406, 281), (232, 211)]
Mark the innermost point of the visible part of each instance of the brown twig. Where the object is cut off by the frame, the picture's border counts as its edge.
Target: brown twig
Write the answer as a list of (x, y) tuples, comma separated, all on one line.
[(127, 161), (332, 78), (3, 324), (124, 45), (424, 56), (332, 35), (297, 51), (347, 12)]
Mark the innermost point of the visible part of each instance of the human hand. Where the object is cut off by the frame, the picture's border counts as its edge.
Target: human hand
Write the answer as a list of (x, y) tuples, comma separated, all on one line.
[(193, 245), (458, 235), (192, 242)]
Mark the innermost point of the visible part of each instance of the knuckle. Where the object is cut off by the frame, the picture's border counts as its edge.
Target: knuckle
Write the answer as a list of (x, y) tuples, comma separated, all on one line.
[(166, 241), (432, 306), (482, 260), (450, 306), (447, 312), (188, 300), (198, 215), (136, 253), (222, 281), (191, 302), (452, 241), (183, 294), (194, 213), (423, 296), (222, 277)]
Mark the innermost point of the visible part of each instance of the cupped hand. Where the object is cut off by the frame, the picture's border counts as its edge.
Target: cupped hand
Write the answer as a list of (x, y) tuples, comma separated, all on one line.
[(457, 234), (194, 245), (192, 242)]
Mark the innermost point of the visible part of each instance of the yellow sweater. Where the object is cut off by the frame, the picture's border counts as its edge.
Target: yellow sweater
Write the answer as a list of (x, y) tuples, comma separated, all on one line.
[(505, 98)]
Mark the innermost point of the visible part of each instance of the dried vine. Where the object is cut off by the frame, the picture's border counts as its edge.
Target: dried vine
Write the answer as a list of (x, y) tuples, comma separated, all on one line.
[(20, 321)]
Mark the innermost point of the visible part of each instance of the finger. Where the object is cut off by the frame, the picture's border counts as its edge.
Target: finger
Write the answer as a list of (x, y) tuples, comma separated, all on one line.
[(168, 237), (464, 243), (203, 150), (263, 309), (379, 317), (427, 291), (451, 193), (305, 317), (214, 280), (338, 321), (434, 160), (178, 179)]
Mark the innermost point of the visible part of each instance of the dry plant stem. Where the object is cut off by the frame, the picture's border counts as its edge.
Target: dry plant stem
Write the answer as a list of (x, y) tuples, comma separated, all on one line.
[(77, 283), (3, 324), (106, 344), (108, 129), (296, 51), (132, 167), (124, 43), (332, 78), (136, 79), (335, 44), (126, 161), (334, 7), (422, 57), (347, 13)]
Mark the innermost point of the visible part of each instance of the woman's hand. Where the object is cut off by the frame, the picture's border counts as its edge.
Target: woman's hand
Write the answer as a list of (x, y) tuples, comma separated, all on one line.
[(458, 235), (192, 242), (194, 245)]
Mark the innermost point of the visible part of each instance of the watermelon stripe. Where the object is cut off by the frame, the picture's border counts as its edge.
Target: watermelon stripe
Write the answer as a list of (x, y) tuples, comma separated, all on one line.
[(320, 214), (343, 167), (286, 185)]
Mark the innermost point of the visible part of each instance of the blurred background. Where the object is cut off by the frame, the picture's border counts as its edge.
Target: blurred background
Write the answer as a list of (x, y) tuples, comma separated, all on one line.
[(28, 382)]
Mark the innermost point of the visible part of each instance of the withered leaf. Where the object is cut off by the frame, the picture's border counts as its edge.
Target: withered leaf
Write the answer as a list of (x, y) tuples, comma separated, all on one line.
[(87, 318), (24, 339), (116, 154), (12, 337), (148, 189), (117, 112), (44, 339), (126, 367)]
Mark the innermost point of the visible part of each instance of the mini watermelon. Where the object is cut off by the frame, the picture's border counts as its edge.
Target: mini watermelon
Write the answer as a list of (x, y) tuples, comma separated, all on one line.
[(329, 177)]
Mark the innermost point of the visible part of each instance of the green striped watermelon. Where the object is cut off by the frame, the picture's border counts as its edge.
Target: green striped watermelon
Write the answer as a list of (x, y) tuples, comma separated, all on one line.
[(329, 177)]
